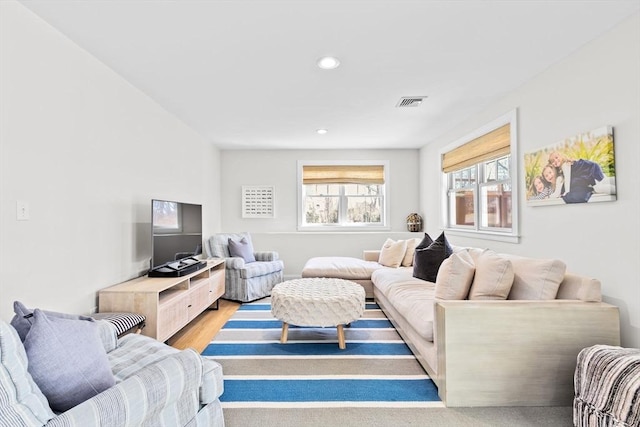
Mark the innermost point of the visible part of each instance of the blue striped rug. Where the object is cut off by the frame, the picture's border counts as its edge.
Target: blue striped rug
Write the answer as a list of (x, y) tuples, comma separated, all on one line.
[(376, 369)]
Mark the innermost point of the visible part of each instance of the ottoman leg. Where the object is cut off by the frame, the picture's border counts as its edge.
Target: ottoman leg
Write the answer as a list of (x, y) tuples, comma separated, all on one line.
[(285, 332), (341, 343)]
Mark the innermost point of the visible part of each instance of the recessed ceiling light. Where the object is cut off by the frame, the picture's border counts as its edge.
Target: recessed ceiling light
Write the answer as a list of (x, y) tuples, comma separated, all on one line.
[(328, 63), (321, 131)]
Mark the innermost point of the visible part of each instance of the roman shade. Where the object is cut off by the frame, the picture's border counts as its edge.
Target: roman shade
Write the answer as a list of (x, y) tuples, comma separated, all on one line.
[(343, 174), (489, 146)]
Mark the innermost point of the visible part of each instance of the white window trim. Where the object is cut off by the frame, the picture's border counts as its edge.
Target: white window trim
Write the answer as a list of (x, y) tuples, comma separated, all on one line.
[(364, 227), (510, 118)]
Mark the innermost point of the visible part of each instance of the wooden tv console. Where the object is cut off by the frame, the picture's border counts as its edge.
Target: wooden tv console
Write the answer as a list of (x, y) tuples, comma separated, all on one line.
[(168, 303)]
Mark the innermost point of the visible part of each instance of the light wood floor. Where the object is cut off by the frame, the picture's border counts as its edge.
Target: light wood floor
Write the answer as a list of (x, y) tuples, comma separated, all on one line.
[(199, 333)]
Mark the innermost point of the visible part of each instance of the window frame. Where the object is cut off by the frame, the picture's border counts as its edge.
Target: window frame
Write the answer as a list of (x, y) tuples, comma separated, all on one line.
[(342, 210), (477, 230)]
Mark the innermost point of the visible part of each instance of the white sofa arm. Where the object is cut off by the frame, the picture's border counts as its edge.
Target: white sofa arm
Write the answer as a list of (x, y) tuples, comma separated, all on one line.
[(371, 255), (160, 391), (488, 349), (266, 256)]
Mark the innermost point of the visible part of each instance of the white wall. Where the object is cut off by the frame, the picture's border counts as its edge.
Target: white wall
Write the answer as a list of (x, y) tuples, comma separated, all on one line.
[(279, 168), (597, 85), (87, 151)]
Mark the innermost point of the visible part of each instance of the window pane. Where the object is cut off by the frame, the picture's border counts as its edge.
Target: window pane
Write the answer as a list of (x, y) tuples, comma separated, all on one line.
[(490, 172), (321, 210), (322, 189), (503, 169), (496, 200), (464, 178), (364, 210), (361, 190), (461, 208)]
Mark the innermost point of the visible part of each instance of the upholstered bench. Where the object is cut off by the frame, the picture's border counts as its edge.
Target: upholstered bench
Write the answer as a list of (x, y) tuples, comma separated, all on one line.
[(607, 387)]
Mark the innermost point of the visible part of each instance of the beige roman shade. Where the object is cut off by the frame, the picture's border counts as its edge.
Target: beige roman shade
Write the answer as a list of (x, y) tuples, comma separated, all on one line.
[(496, 143), (343, 174)]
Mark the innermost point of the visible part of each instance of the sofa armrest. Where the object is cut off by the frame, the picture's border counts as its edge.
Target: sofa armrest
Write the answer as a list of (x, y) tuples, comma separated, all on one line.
[(234, 263), (159, 391), (212, 385), (371, 255), (108, 335), (516, 353), (266, 256)]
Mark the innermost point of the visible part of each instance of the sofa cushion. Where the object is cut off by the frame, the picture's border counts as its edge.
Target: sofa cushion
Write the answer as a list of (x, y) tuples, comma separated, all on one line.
[(407, 261), (455, 276), (241, 248), (427, 260), (340, 267), (21, 401), (67, 360), (493, 277), (392, 253), (414, 300), (536, 279), (23, 318), (386, 278)]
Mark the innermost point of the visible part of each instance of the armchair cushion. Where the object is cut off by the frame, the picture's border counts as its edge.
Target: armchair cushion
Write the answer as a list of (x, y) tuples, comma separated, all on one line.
[(67, 360)]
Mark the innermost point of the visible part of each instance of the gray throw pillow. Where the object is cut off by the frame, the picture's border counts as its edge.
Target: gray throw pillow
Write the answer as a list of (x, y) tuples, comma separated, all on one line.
[(23, 318), (242, 248), (67, 360), (426, 261)]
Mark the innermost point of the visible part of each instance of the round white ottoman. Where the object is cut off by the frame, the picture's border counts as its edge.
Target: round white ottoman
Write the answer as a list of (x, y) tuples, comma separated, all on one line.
[(317, 302)]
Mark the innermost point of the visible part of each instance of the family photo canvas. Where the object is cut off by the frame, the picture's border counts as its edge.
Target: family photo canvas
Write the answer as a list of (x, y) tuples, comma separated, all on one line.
[(579, 169)]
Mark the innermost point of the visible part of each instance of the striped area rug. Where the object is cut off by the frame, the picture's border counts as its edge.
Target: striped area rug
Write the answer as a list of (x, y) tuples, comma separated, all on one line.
[(376, 369)]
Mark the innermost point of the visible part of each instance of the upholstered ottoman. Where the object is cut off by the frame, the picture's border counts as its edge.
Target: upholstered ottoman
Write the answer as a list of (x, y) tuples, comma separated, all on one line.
[(317, 302), (607, 387)]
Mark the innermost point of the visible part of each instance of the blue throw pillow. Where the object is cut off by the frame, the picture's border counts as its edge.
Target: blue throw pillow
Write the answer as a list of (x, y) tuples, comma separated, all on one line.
[(242, 248), (426, 261), (67, 360), (23, 318)]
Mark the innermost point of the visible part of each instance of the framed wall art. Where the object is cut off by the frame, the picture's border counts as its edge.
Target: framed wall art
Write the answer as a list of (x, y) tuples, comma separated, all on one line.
[(578, 169), (258, 201)]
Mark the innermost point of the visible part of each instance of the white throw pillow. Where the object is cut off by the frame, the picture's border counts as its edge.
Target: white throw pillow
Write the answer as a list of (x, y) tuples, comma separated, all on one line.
[(392, 253), (536, 279), (455, 276), (493, 278), (407, 261)]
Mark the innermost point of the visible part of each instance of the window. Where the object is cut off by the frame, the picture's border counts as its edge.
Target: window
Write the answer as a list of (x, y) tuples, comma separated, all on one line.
[(342, 195), (478, 182)]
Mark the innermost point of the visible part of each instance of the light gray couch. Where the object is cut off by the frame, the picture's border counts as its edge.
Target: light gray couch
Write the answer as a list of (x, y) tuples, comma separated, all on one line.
[(155, 385), (488, 352)]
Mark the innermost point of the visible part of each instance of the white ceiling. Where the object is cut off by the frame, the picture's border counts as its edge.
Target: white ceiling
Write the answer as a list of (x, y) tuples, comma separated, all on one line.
[(243, 73)]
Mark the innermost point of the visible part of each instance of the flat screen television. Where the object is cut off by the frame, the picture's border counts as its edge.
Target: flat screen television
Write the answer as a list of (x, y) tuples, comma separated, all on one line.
[(176, 231)]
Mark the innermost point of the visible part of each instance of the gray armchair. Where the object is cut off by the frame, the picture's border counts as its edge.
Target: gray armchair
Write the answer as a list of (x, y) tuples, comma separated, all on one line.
[(245, 281)]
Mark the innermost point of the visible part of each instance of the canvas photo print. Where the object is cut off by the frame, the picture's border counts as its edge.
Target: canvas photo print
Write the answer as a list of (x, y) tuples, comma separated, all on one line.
[(579, 169)]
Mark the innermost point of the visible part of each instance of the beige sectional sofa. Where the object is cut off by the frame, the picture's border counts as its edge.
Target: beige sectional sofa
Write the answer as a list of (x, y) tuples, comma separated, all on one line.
[(490, 352)]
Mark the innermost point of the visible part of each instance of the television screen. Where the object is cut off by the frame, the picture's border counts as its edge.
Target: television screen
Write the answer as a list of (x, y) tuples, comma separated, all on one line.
[(176, 231)]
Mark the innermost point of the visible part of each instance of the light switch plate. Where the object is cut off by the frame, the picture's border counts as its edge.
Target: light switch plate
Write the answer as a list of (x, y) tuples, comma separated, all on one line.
[(22, 210)]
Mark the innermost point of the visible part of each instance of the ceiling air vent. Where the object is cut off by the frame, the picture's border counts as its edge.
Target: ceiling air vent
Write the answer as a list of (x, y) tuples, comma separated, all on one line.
[(410, 101)]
